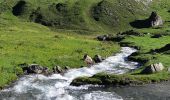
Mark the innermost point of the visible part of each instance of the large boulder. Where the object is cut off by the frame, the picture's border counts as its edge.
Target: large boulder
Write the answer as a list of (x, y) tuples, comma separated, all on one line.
[(97, 59), (155, 20), (153, 68)]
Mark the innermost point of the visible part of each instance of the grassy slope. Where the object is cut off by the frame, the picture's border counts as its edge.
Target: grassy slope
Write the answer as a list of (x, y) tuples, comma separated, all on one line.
[(146, 44), (77, 15), (26, 42), (22, 41)]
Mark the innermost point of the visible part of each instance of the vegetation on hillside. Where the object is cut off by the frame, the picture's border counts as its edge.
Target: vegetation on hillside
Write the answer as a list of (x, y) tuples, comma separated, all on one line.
[(22, 40)]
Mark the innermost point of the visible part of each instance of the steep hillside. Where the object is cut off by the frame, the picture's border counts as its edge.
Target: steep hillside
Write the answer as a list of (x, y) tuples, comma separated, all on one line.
[(84, 15)]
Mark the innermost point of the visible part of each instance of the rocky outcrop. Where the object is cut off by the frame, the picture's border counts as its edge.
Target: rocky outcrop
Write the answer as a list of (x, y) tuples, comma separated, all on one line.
[(155, 20), (35, 69), (153, 68)]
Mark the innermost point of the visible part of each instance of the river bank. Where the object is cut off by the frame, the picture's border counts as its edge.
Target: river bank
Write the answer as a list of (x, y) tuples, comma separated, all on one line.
[(58, 86)]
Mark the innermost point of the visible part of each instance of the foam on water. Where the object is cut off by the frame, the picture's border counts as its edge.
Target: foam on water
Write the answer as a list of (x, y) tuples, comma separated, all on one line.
[(57, 87)]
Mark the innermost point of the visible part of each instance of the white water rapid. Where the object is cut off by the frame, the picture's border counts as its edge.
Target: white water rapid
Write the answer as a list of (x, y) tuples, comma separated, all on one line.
[(57, 87)]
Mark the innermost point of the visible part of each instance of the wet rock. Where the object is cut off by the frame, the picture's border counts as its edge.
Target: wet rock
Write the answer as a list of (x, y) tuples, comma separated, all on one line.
[(88, 60), (67, 68), (46, 71), (155, 20), (153, 68), (97, 59), (57, 69), (32, 69)]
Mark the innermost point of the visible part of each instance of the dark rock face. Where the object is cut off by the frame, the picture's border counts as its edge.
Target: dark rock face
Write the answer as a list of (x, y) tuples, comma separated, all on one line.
[(97, 59), (153, 68), (153, 21), (18, 9)]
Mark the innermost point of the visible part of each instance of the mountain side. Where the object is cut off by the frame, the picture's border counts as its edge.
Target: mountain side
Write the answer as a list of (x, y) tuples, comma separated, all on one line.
[(85, 15)]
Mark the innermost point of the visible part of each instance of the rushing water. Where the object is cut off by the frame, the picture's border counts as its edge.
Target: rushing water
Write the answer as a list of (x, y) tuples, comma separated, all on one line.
[(57, 87)]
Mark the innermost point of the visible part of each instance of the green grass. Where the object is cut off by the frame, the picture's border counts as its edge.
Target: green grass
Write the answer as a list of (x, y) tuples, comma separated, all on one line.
[(23, 41), (147, 44), (27, 42), (114, 16)]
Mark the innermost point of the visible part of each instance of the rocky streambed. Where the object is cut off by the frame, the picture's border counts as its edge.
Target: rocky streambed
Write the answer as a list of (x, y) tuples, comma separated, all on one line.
[(57, 86)]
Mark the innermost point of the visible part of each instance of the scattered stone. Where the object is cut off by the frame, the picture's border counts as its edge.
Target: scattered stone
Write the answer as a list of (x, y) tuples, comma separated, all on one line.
[(153, 68), (46, 71), (34, 69), (107, 37), (88, 60), (57, 69), (155, 20), (97, 59)]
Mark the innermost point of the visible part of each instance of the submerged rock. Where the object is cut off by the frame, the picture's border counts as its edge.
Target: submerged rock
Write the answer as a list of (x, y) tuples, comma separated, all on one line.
[(153, 68)]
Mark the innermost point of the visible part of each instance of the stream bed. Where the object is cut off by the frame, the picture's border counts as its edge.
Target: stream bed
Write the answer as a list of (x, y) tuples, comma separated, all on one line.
[(57, 87)]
